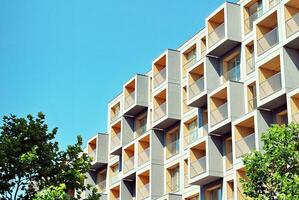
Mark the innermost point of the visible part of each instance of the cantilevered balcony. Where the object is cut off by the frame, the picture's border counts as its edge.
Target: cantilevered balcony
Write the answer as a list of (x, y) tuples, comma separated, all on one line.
[(252, 11), (143, 186), (291, 18), (267, 34), (115, 113), (192, 133), (115, 137), (144, 150), (292, 24), (128, 159), (223, 29), (219, 113), (97, 148), (160, 106), (294, 108)]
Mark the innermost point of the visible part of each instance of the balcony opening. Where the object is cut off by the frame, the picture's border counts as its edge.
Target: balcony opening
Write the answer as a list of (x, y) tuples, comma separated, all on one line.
[(114, 173), (115, 193), (186, 108), (216, 28), (218, 106), (159, 71), (196, 81), (173, 179), (252, 11), (228, 154), (191, 133), (213, 192), (130, 94), (203, 46), (251, 97), (241, 174), (291, 10), (115, 112), (198, 161), (160, 105), (230, 190), (116, 135), (267, 34), (295, 108), (140, 124), (204, 122), (250, 59), (92, 149), (144, 150), (231, 67), (270, 77), (244, 137), (101, 180), (186, 178), (129, 158), (189, 59), (282, 117), (172, 142), (143, 185)]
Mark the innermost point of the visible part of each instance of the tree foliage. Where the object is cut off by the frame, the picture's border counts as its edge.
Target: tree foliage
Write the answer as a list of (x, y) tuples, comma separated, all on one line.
[(31, 161), (273, 172)]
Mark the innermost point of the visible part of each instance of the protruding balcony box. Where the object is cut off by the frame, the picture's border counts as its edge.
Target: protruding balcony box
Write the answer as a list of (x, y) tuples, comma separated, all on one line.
[(196, 90), (115, 138), (173, 179), (293, 106), (223, 29), (143, 186), (223, 107), (135, 97), (114, 193), (204, 159), (115, 112), (166, 111), (291, 18), (98, 150), (166, 68), (267, 34), (129, 159), (251, 12)]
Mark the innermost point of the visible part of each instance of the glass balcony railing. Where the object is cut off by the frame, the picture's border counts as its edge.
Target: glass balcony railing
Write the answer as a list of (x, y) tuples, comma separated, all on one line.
[(115, 117), (93, 154), (249, 21), (292, 25), (173, 148), (268, 41), (115, 141), (250, 64), (101, 186), (252, 104), (233, 74), (198, 167), (141, 130), (195, 134), (203, 53), (129, 164), (160, 77), (216, 35), (273, 3), (295, 117), (129, 100), (143, 192), (173, 186), (160, 112), (143, 157), (245, 145), (190, 62), (270, 85), (114, 178), (196, 87), (219, 114), (229, 161)]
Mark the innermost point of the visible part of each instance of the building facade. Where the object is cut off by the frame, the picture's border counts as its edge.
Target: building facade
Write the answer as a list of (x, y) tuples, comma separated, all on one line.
[(180, 130)]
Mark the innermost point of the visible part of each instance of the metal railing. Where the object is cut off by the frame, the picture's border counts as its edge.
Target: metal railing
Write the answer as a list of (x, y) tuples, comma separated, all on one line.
[(101, 186), (198, 167), (250, 64), (292, 25), (270, 85), (196, 87), (252, 104), (160, 111), (273, 3), (219, 114), (115, 141), (296, 117), (129, 164), (268, 41), (114, 178), (143, 192), (173, 186), (245, 145), (216, 35), (143, 157), (115, 117), (160, 77), (130, 100), (249, 21), (229, 161), (173, 148)]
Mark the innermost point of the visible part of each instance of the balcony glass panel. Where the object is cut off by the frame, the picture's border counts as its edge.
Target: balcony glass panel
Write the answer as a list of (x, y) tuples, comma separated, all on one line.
[(174, 184), (115, 141), (249, 21), (160, 111), (245, 145), (233, 73), (198, 167), (216, 35), (292, 25), (270, 85), (252, 104), (250, 64), (191, 61), (186, 108), (160, 77), (143, 157), (141, 129), (219, 114), (268, 41), (196, 87), (295, 117), (273, 3), (130, 100), (173, 148), (114, 178), (129, 164), (115, 116), (143, 192)]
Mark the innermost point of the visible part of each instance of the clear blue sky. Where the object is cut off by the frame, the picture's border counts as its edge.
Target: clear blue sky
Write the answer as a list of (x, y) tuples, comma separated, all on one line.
[(69, 58)]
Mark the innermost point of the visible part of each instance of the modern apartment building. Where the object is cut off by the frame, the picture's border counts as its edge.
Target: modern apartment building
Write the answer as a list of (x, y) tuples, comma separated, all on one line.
[(179, 131)]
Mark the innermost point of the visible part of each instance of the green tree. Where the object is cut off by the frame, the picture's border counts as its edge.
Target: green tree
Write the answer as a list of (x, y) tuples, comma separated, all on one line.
[(31, 161), (273, 172)]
